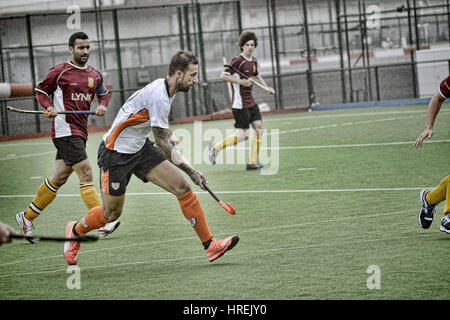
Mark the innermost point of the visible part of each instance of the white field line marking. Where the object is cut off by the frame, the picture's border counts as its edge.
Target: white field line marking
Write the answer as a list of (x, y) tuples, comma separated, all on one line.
[(189, 238), (335, 125), (357, 145), (279, 132), (262, 251), (29, 144), (306, 169), (313, 116), (238, 192), (28, 155)]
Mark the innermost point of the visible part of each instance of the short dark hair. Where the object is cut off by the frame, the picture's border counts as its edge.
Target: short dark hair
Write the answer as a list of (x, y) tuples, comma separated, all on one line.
[(247, 36), (77, 35), (181, 61)]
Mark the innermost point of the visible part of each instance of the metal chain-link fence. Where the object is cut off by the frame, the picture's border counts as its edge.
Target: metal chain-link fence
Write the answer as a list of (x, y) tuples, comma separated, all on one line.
[(311, 52)]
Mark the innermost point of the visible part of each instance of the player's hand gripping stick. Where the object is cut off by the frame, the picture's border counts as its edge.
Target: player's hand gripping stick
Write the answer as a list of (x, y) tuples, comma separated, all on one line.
[(246, 77)]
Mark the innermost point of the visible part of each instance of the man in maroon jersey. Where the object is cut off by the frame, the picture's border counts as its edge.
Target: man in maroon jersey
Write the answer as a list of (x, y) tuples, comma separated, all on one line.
[(430, 198), (245, 109), (71, 85)]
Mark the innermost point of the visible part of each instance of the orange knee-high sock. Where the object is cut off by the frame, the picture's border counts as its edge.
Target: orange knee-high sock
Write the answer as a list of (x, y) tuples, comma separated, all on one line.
[(94, 219), (193, 211)]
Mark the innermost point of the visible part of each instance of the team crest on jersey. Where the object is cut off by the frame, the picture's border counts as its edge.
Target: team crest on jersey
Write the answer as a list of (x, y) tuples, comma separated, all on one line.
[(193, 221), (90, 82), (115, 185)]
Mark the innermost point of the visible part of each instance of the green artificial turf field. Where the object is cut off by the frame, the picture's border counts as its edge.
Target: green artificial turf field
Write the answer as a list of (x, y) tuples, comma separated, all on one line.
[(340, 201)]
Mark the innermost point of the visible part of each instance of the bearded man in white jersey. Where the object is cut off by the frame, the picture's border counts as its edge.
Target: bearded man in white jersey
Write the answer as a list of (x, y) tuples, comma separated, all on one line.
[(126, 150)]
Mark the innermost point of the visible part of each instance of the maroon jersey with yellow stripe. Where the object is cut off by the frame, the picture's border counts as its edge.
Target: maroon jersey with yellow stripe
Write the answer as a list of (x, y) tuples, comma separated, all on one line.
[(242, 97), (444, 88)]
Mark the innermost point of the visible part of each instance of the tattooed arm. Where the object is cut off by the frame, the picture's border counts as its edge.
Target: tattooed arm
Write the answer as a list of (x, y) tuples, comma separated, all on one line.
[(167, 143)]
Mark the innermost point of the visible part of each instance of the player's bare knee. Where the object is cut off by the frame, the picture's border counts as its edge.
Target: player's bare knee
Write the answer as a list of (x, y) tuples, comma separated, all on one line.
[(242, 135), (60, 179), (182, 187), (111, 214), (259, 131), (85, 175)]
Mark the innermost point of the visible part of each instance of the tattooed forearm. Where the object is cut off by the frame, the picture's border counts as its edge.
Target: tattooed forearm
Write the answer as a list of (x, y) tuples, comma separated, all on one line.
[(169, 149)]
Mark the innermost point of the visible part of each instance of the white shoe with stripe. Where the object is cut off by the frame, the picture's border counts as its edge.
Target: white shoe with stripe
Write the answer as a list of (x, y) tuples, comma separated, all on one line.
[(108, 228), (25, 225)]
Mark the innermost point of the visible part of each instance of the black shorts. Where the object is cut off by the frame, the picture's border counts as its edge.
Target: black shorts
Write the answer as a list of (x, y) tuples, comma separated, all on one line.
[(116, 168), (243, 117), (71, 149)]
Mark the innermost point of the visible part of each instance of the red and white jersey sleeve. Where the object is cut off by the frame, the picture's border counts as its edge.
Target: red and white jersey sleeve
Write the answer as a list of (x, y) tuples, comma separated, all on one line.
[(71, 88), (146, 108), (444, 88)]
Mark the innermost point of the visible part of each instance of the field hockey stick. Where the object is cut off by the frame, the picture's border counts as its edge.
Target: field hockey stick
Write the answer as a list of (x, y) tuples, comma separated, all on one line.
[(246, 77), (228, 207), (80, 238), (12, 109)]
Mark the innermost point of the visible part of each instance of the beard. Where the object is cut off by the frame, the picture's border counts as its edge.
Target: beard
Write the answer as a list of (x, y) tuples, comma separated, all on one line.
[(81, 59), (183, 87)]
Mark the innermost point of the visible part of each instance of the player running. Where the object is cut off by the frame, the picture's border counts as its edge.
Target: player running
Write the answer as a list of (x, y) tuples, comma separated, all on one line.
[(126, 150), (244, 107), (429, 199), (70, 85)]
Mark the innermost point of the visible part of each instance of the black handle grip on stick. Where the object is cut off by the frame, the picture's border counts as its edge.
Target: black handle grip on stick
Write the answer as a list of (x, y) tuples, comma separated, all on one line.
[(81, 238)]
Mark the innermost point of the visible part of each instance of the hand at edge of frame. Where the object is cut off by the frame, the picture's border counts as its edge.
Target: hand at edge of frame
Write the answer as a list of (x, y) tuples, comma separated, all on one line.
[(5, 232), (427, 133)]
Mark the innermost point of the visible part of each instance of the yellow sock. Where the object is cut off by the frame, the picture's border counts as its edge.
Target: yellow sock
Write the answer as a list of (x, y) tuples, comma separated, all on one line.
[(229, 141), (254, 151), (44, 196), (438, 194), (89, 195), (446, 183)]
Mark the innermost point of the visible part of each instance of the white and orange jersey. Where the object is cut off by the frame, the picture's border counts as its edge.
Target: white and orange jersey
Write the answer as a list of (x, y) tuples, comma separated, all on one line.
[(146, 108)]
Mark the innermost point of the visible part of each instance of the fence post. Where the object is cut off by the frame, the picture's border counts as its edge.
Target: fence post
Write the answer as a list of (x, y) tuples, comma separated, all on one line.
[(377, 83), (413, 63), (204, 80), (311, 97), (32, 72), (183, 46), (363, 47), (349, 63), (119, 57), (4, 112), (279, 93), (274, 77), (416, 27), (448, 20), (341, 54), (239, 16), (189, 48), (366, 43)]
